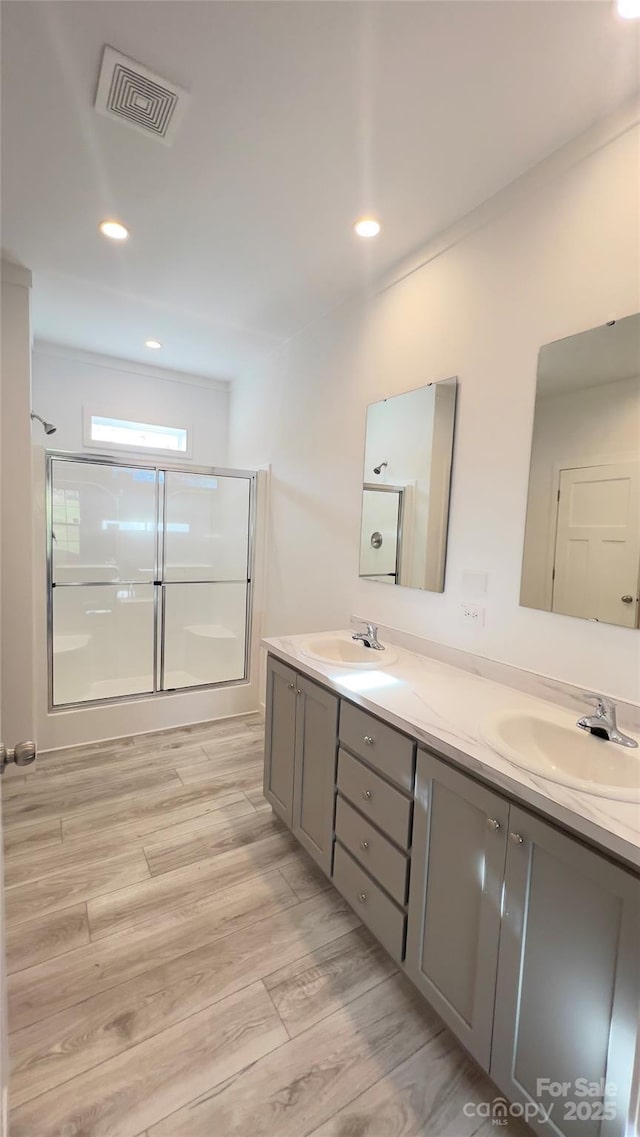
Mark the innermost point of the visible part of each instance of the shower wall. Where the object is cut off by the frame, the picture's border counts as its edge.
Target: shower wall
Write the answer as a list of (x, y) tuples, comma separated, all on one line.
[(67, 383)]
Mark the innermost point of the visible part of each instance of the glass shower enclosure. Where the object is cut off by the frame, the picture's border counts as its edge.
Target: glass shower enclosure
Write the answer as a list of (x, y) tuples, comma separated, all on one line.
[(149, 578)]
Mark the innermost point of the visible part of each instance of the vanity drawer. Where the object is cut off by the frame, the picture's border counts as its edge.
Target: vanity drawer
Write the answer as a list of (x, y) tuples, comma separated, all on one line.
[(386, 920), (386, 863), (385, 806), (380, 745)]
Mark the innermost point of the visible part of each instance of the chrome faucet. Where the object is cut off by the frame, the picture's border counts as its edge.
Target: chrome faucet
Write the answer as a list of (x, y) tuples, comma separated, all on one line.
[(603, 722), (369, 638)]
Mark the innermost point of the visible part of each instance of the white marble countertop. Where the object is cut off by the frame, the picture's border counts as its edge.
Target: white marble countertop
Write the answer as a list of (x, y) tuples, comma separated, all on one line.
[(444, 706)]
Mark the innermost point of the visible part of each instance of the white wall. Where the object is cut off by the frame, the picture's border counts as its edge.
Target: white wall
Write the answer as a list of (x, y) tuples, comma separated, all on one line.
[(555, 255), (16, 599), (64, 382), (588, 427)]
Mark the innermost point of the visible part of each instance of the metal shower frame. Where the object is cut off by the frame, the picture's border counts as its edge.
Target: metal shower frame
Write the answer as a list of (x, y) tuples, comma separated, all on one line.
[(159, 469)]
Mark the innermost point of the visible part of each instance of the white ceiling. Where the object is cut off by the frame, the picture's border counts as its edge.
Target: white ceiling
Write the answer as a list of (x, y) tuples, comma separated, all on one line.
[(302, 116)]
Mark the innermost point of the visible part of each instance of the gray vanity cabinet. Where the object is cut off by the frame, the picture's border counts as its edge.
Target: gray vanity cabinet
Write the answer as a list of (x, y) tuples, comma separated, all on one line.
[(458, 856), (280, 738), (300, 757), (523, 939), (315, 770), (568, 987)]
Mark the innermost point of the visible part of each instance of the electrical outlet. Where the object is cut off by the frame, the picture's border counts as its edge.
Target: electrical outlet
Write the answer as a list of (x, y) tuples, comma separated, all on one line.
[(473, 614)]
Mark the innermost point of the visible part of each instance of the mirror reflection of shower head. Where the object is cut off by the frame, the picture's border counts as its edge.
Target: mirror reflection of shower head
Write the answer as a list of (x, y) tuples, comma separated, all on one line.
[(379, 469), (49, 428)]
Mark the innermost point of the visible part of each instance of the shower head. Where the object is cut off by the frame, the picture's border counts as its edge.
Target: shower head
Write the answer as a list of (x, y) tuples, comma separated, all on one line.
[(378, 469), (49, 428)]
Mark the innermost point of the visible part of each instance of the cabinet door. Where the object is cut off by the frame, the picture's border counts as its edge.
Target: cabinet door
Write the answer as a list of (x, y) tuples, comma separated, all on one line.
[(315, 770), (457, 868), (568, 986), (280, 736)]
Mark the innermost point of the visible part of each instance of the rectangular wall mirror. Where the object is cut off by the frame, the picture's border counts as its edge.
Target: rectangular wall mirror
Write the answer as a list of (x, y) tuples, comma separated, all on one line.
[(582, 538), (406, 485)]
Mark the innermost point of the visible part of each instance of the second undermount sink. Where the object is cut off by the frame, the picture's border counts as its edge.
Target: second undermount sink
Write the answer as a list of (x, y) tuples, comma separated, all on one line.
[(555, 748), (343, 651)]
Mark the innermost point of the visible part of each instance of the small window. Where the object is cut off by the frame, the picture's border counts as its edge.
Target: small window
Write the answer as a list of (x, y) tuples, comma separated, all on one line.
[(119, 432)]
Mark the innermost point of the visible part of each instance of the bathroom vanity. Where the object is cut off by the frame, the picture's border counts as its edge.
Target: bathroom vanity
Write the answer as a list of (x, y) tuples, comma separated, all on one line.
[(499, 894)]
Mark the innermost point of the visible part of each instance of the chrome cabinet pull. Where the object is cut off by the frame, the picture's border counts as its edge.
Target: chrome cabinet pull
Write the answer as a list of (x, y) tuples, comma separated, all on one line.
[(368, 739), (364, 845), (298, 691), (366, 795), (516, 838), (493, 824), (291, 686), (362, 897)]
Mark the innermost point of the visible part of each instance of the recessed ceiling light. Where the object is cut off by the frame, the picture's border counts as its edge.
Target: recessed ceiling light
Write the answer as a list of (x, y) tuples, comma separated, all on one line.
[(153, 344), (114, 230), (628, 9), (367, 227)]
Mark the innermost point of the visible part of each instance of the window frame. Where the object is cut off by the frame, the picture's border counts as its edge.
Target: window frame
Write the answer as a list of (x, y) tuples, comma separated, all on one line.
[(89, 413)]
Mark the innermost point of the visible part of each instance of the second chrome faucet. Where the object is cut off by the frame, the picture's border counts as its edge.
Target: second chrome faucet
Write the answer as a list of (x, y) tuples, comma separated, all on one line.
[(603, 723)]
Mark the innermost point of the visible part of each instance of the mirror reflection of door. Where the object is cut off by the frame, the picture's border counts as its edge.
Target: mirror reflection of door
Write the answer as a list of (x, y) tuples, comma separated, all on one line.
[(380, 534), (598, 543), (581, 552)]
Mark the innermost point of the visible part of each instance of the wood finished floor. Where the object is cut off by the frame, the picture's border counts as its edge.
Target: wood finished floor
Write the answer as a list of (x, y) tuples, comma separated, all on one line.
[(179, 968)]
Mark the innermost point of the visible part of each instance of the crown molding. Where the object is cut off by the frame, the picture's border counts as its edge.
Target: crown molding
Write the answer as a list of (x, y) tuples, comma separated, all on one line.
[(127, 366), (531, 182)]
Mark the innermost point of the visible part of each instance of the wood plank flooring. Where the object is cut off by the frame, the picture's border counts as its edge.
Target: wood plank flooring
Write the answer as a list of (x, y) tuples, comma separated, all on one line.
[(178, 967)]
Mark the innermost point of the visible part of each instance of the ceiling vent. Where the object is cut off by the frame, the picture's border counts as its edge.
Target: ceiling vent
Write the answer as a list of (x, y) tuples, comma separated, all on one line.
[(135, 96)]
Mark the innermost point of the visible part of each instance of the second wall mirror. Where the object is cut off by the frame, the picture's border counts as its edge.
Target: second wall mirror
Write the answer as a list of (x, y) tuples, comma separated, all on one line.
[(406, 486), (582, 540)]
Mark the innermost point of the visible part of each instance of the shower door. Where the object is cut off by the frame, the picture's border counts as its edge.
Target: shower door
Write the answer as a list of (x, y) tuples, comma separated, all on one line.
[(149, 578), (102, 569), (205, 579), (381, 533)]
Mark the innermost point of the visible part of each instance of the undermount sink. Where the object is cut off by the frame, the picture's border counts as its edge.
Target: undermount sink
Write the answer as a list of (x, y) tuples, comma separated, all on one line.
[(555, 748), (342, 651)]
